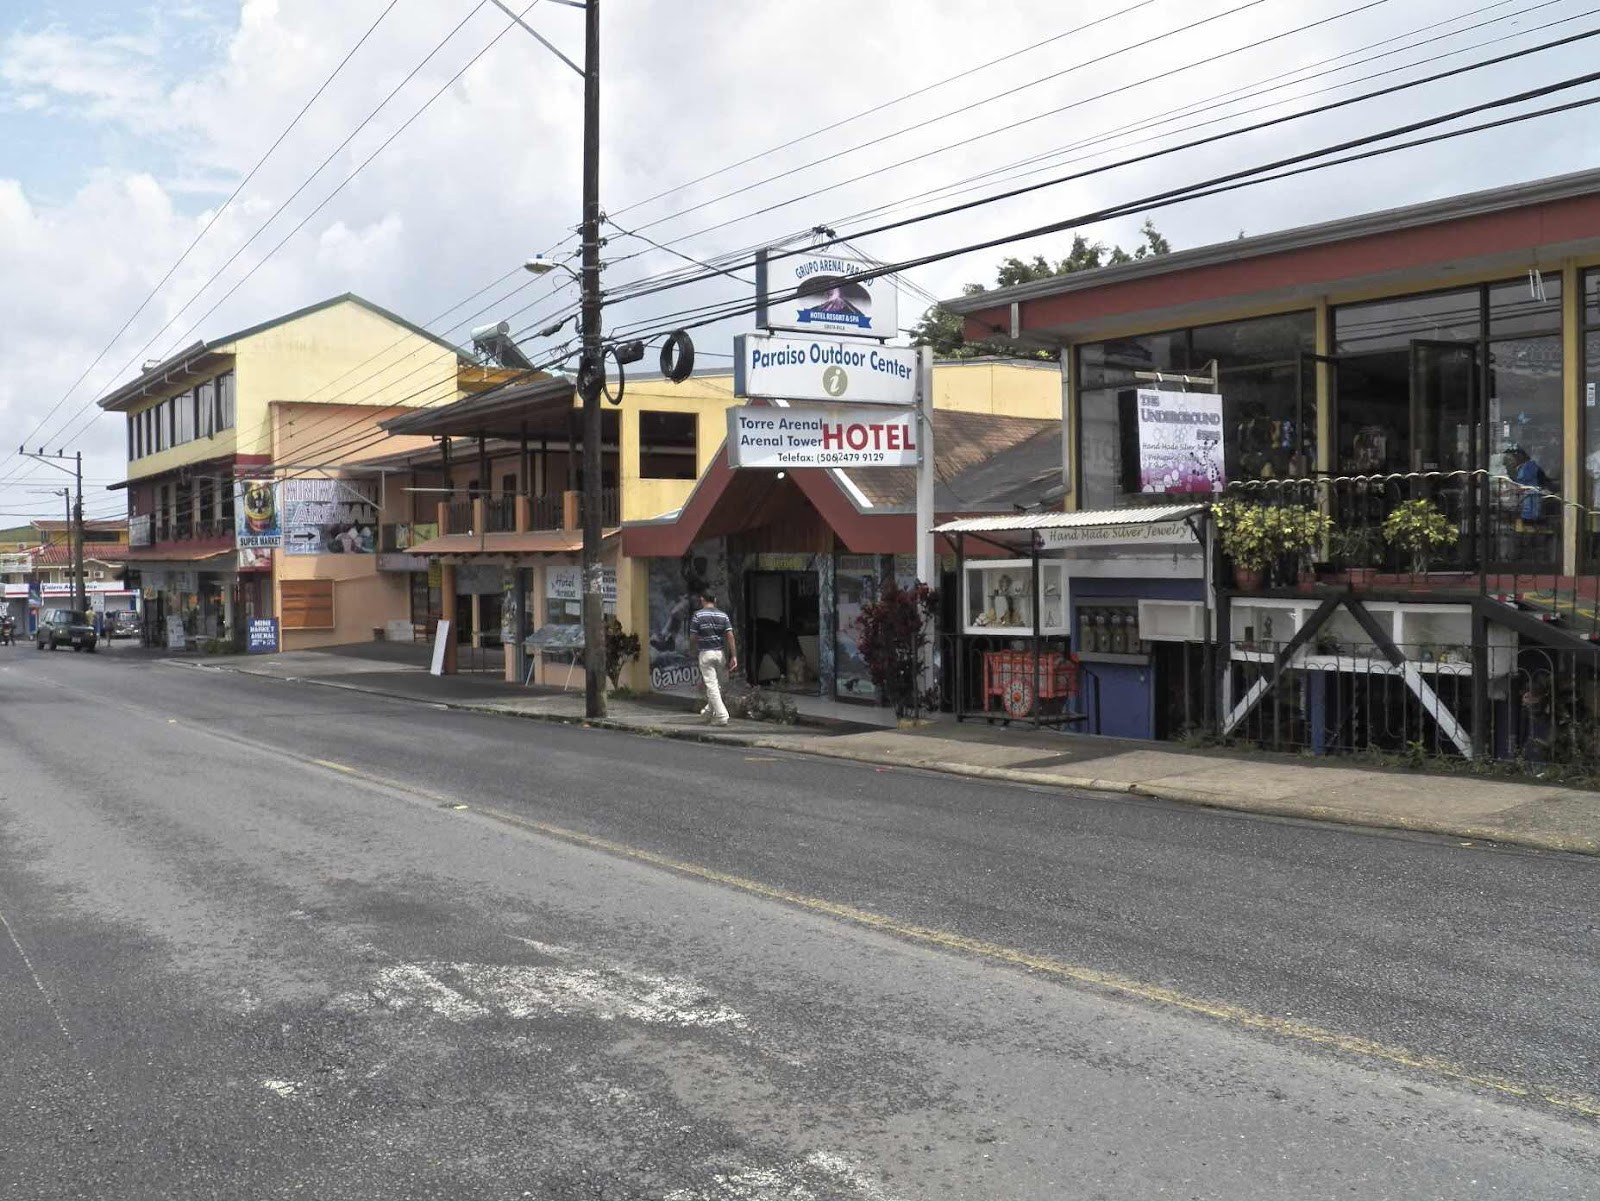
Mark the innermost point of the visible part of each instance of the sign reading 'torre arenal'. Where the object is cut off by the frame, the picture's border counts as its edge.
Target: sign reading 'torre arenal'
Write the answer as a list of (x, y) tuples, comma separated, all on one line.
[(818, 436), (797, 368)]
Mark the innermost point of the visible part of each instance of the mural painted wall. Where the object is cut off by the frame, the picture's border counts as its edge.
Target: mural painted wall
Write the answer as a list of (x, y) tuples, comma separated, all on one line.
[(675, 585)]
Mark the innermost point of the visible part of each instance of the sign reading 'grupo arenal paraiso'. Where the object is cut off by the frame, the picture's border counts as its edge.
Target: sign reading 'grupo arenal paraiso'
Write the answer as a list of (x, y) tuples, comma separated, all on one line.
[(766, 365), (821, 437)]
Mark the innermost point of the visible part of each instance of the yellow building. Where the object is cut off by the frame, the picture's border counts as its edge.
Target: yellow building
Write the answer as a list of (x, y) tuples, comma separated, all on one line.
[(292, 400), (493, 506)]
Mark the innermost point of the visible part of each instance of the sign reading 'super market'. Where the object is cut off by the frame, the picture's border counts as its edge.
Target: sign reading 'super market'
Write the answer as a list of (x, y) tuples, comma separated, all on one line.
[(770, 366)]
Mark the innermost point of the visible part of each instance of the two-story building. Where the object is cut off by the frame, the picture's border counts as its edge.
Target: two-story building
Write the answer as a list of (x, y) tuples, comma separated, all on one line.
[(291, 400), (498, 502), (1424, 380), (41, 569)]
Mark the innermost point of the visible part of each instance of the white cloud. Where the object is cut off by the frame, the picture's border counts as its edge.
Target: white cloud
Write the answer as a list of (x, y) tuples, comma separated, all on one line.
[(489, 174)]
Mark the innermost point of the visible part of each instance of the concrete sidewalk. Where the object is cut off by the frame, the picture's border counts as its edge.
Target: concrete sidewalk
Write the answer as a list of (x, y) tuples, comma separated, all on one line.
[(1496, 810)]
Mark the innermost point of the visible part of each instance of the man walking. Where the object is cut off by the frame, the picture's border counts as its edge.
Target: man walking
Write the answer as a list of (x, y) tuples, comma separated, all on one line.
[(712, 631)]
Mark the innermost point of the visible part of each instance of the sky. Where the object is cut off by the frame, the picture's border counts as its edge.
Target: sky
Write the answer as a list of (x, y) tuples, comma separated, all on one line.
[(126, 129)]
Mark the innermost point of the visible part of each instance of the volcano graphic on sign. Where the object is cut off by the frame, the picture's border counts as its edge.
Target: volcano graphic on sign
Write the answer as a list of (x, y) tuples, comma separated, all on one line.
[(840, 303)]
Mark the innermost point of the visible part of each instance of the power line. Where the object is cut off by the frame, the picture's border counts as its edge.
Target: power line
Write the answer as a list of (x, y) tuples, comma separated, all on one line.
[(1213, 138), (339, 188), (215, 217), (887, 104), (989, 133)]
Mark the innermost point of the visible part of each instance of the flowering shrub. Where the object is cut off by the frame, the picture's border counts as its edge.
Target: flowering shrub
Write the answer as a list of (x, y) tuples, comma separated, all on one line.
[(892, 637)]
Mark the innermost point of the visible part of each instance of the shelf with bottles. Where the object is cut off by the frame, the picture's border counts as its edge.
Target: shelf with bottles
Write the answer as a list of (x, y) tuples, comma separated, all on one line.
[(1108, 632), (1001, 595)]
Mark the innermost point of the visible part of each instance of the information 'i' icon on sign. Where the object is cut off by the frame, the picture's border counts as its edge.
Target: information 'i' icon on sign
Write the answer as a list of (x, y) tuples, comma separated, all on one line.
[(835, 381)]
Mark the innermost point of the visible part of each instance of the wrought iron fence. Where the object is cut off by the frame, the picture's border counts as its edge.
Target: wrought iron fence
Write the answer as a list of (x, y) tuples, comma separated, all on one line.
[(1540, 706)]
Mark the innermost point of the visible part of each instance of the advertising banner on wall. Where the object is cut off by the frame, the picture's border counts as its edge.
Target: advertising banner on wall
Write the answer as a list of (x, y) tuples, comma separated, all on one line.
[(675, 588), (1180, 441), (256, 521), (329, 517), (821, 437), (770, 365), (814, 294)]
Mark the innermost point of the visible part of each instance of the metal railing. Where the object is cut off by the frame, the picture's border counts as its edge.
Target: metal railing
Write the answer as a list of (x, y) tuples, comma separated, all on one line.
[(459, 515), (1505, 540), (1541, 710), (546, 512), (500, 513), (610, 507)]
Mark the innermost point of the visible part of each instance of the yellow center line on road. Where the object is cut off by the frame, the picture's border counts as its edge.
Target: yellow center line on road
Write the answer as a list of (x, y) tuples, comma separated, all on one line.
[(1234, 1015), (1584, 1104)]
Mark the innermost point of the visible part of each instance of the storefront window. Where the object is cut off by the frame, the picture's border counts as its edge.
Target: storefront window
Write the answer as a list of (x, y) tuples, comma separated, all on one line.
[(1393, 325), (1268, 391), (1589, 498)]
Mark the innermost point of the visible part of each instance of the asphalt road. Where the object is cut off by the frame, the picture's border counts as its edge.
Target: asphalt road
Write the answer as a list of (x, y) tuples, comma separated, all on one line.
[(270, 940)]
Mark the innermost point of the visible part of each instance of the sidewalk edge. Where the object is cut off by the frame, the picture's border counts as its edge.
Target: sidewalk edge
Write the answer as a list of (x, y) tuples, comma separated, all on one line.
[(1533, 840)]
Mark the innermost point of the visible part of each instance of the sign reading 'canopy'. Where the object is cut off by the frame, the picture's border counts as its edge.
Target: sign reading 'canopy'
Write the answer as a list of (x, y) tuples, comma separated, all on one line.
[(821, 437), (1180, 441)]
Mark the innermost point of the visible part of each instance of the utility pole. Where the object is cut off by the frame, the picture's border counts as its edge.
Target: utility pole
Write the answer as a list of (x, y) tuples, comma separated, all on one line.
[(77, 551), (74, 513), (591, 376)]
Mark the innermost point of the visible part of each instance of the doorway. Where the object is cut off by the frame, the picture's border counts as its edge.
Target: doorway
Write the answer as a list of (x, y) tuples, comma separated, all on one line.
[(781, 627)]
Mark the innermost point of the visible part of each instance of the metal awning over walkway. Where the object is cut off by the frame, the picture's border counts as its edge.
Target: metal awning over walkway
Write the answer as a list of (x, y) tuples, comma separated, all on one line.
[(1147, 525)]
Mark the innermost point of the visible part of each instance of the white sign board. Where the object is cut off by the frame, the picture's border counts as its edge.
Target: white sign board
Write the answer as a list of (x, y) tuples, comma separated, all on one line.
[(564, 586), (769, 365), (1180, 441), (821, 437), (441, 639), (177, 637), (813, 293), (1120, 534)]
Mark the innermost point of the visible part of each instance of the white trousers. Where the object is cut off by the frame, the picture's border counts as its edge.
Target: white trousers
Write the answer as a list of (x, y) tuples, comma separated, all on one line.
[(711, 675)]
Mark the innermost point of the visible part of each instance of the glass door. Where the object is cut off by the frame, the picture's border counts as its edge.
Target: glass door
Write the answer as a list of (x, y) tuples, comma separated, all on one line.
[(1446, 441)]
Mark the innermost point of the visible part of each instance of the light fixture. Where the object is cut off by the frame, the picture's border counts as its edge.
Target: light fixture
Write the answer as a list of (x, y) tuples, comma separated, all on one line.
[(539, 265), (782, 474)]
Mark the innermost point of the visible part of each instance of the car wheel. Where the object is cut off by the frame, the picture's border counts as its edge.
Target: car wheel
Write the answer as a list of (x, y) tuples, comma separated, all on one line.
[(92, 647)]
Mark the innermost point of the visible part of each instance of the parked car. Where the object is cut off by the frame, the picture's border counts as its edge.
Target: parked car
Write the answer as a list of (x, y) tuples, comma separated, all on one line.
[(66, 627), (121, 623)]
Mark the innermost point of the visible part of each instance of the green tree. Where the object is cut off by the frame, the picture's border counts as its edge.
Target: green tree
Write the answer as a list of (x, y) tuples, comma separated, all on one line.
[(944, 330)]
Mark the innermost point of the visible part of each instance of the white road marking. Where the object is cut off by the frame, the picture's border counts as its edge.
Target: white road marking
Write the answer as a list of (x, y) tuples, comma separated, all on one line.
[(476, 991), (284, 1088), (799, 1180)]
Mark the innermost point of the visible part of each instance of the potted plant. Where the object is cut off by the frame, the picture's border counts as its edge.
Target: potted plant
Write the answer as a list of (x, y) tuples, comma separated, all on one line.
[(1419, 528), (1359, 549), (1257, 538)]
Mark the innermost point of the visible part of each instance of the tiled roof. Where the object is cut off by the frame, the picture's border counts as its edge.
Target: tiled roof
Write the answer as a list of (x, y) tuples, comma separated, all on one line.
[(962, 442), (57, 554)]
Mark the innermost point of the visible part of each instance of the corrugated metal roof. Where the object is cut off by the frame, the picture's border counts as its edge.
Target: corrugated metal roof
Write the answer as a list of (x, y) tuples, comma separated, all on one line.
[(1067, 521)]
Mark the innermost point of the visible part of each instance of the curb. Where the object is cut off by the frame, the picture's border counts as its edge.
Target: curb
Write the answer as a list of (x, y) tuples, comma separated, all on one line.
[(1531, 840)]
